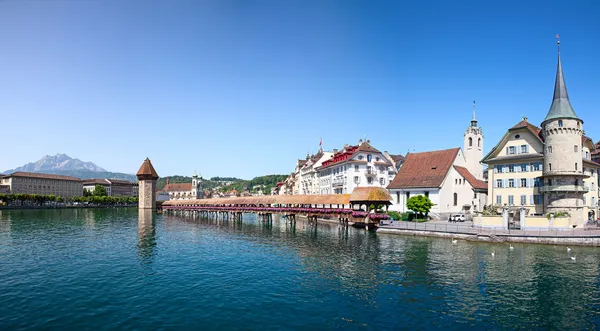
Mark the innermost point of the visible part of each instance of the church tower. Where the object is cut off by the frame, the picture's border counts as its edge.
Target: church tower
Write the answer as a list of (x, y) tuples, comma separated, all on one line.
[(563, 161), (197, 192), (473, 148)]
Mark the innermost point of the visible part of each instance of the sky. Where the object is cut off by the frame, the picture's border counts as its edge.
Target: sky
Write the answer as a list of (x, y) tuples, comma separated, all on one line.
[(244, 88)]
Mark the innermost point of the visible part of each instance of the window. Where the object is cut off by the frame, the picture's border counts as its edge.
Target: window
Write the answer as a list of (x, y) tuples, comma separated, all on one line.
[(523, 182), (356, 167), (479, 142), (377, 158), (356, 180), (360, 157), (369, 157), (511, 200), (511, 168), (427, 194), (550, 166), (499, 200), (575, 166), (587, 155), (407, 195), (584, 200), (398, 197), (456, 199), (369, 180), (523, 200), (523, 149), (470, 142), (593, 201), (382, 181), (549, 182), (474, 195), (538, 199), (510, 150), (499, 183), (575, 149), (560, 123), (524, 167), (550, 149), (511, 183)]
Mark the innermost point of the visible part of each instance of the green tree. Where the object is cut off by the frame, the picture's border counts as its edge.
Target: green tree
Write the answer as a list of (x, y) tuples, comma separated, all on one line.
[(99, 191), (420, 204)]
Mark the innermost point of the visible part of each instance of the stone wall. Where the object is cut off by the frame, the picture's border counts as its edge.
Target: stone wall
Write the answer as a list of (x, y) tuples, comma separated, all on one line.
[(147, 189)]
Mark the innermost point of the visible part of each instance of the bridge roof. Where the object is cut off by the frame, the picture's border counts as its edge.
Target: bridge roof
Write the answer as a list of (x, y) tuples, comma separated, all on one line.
[(361, 194)]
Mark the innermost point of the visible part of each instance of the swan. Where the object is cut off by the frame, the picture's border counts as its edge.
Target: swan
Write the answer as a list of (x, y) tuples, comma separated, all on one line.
[(573, 258), (493, 253), (511, 247), (568, 249), (454, 241)]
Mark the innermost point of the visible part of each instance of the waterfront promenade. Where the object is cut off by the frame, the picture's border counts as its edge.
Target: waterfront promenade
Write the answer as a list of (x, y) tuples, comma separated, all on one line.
[(588, 236)]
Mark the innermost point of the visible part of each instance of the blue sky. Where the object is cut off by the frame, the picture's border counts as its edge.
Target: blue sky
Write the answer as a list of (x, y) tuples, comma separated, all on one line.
[(244, 88)]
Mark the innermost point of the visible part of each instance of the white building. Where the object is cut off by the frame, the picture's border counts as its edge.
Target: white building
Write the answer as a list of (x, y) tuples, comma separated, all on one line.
[(309, 179), (184, 191), (447, 177), (355, 166)]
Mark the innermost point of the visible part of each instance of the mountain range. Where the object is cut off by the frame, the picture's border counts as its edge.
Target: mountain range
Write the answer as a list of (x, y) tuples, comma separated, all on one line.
[(62, 164)]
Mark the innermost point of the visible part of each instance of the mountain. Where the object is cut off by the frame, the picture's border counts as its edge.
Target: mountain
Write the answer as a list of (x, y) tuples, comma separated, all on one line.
[(58, 162), (62, 164)]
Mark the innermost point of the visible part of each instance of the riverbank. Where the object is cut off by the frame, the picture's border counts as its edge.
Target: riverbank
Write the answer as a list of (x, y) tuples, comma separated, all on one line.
[(579, 237), (64, 207)]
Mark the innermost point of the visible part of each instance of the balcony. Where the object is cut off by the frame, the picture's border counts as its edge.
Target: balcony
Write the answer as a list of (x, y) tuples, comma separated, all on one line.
[(563, 188), (371, 173), (337, 182)]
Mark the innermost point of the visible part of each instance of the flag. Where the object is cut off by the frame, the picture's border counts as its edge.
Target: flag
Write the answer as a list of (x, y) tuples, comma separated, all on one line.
[(320, 141), (557, 36)]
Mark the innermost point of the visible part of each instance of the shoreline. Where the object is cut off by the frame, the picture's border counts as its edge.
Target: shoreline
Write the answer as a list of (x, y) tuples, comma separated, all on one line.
[(591, 241), (64, 207)]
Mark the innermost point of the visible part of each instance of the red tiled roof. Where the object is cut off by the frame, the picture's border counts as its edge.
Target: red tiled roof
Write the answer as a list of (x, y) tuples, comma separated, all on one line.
[(348, 153), (91, 181), (426, 169), (43, 176), (537, 132), (475, 183), (178, 187), (397, 158)]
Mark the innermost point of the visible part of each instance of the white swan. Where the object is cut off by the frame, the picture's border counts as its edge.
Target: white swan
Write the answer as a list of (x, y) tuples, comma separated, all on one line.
[(493, 253), (511, 247), (454, 241), (568, 249), (573, 258)]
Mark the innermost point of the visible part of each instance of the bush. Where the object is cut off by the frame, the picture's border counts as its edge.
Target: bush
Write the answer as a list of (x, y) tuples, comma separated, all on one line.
[(396, 216), (559, 214)]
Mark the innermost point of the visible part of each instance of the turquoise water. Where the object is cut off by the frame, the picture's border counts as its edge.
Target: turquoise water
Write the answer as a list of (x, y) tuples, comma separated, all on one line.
[(109, 269)]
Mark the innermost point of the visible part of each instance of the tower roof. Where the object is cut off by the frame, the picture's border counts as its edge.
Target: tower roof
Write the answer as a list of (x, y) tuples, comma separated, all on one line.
[(147, 171), (561, 106)]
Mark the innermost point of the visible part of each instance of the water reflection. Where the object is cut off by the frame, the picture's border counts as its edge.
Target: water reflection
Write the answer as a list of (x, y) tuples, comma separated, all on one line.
[(146, 235)]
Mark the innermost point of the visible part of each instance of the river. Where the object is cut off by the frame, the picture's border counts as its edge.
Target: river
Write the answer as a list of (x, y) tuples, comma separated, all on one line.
[(108, 269)]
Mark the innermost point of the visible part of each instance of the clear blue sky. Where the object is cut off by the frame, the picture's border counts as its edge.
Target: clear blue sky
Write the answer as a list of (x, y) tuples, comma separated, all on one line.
[(244, 88)]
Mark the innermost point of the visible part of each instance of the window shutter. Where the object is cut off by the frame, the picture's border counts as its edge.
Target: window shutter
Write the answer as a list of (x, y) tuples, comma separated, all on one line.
[(527, 167), (505, 182), (531, 201), (518, 167), (495, 169), (526, 148)]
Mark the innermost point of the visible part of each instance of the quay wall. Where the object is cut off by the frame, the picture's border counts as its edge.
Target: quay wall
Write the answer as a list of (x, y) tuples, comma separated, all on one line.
[(547, 240)]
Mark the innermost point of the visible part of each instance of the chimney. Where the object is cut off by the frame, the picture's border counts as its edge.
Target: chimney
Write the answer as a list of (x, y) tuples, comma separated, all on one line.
[(335, 151), (524, 118)]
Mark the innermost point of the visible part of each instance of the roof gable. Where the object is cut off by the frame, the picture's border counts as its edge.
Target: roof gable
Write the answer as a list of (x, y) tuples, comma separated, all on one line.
[(427, 169), (475, 183), (521, 127)]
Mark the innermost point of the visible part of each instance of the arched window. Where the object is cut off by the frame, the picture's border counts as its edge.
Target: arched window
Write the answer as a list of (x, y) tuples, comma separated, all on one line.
[(560, 123), (479, 142), (455, 199), (470, 141)]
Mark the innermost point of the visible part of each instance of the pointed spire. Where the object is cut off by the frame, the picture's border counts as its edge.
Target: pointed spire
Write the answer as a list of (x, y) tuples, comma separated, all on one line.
[(561, 105), (474, 119)]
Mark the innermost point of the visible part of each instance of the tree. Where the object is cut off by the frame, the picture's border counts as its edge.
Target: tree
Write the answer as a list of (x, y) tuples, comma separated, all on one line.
[(419, 204), (99, 191)]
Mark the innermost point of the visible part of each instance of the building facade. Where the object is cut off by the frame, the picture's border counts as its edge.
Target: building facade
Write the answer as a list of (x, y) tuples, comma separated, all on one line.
[(114, 187), (547, 169), (309, 179), (355, 166), (44, 184), (447, 177), (183, 191)]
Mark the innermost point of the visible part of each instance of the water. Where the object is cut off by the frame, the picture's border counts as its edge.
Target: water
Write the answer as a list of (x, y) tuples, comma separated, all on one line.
[(108, 269)]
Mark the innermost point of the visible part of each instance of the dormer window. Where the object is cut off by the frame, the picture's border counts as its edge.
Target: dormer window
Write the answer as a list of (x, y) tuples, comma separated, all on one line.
[(560, 123), (369, 157)]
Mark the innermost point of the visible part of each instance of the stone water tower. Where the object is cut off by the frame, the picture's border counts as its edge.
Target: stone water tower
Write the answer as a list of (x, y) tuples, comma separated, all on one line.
[(147, 177)]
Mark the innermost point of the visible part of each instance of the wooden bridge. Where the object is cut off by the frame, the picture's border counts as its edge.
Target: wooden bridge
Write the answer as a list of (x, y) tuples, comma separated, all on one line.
[(346, 208)]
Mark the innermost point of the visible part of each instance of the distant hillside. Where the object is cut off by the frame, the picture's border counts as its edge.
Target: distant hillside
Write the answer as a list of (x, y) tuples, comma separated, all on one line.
[(162, 181), (58, 162), (267, 182)]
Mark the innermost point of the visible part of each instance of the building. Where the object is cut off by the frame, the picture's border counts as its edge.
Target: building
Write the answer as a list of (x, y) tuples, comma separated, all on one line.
[(451, 178), (147, 177), (114, 187), (309, 180), (547, 169), (184, 191), (45, 184), (361, 165)]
